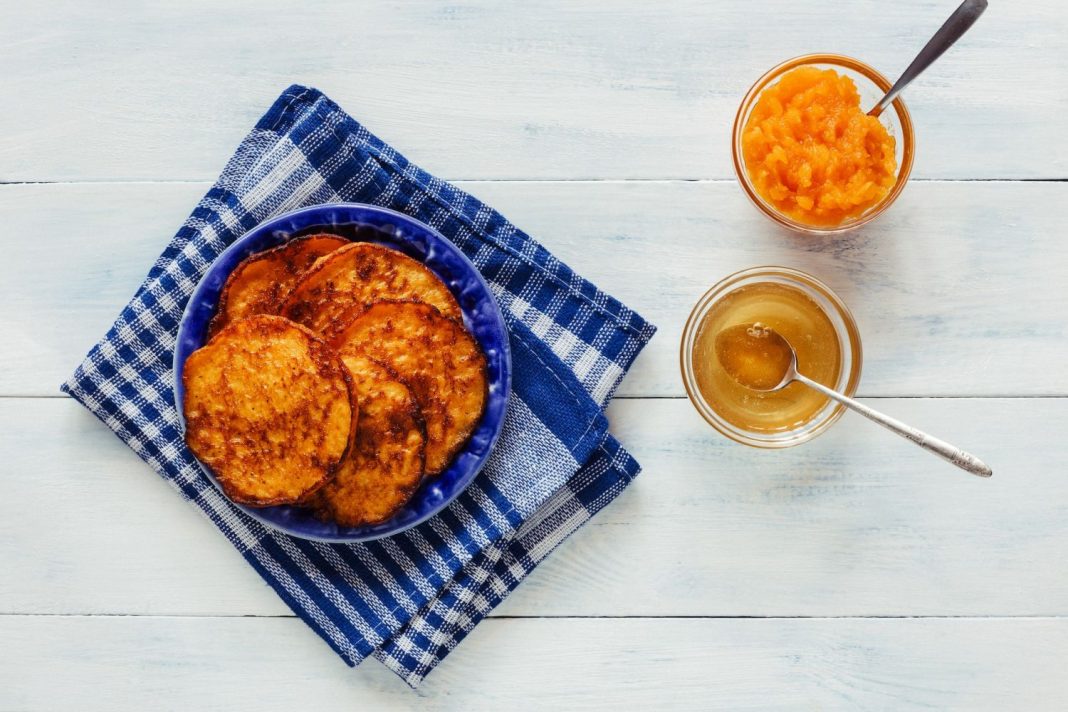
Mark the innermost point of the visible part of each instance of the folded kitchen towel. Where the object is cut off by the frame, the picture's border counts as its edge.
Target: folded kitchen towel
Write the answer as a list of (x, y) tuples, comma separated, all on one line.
[(408, 599)]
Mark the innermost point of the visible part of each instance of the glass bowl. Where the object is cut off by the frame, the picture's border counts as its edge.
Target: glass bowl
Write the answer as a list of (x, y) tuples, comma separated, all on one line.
[(848, 341), (872, 86)]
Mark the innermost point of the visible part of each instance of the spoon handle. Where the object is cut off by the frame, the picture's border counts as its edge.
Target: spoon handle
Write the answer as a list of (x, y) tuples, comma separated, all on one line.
[(957, 24), (958, 457)]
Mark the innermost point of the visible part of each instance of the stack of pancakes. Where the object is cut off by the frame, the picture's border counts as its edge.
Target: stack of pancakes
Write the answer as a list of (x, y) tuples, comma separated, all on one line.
[(338, 375)]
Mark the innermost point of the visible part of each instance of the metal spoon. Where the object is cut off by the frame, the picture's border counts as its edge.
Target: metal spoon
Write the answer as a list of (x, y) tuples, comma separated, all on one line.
[(761, 359), (957, 24)]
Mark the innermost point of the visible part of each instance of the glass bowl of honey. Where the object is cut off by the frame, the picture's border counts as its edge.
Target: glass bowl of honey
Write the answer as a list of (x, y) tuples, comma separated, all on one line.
[(806, 153), (816, 323)]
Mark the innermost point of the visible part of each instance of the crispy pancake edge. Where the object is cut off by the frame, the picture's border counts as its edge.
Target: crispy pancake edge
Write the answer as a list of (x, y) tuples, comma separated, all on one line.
[(287, 305), (217, 323)]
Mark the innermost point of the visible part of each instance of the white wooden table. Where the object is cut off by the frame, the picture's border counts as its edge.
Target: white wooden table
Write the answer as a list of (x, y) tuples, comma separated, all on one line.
[(852, 572)]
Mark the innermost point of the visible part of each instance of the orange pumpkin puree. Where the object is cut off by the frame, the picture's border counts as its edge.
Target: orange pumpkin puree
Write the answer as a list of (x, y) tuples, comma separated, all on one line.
[(812, 152)]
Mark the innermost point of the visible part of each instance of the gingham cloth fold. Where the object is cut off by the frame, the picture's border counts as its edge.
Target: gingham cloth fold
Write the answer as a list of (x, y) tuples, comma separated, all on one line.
[(409, 599)]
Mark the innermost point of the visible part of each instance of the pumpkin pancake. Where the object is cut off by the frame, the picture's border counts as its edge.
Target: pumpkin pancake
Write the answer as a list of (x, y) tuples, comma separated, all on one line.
[(436, 357), (260, 283), (268, 407), (385, 463), (359, 274)]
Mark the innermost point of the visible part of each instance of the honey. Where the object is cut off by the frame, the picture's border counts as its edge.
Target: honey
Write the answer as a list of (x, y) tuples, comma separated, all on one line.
[(796, 317), (812, 153)]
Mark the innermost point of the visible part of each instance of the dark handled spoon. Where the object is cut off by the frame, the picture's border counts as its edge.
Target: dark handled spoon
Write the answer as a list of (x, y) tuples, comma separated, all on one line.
[(955, 27)]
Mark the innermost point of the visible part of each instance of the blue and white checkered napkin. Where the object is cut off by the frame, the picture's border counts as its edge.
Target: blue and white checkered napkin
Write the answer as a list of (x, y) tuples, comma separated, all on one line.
[(409, 599)]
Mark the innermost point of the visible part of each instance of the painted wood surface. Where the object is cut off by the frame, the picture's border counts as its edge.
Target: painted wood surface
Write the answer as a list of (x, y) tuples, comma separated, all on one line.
[(483, 89), (856, 523), (855, 572), (961, 290), (96, 663)]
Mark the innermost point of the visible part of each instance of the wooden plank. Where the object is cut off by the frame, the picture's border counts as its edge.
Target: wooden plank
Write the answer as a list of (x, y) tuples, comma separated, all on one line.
[(937, 286), (482, 89), (73, 258), (855, 523), (960, 289), (110, 663), (104, 533)]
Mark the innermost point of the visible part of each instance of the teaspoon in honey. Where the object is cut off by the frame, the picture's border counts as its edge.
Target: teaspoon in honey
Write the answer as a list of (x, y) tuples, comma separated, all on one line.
[(951, 31), (761, 359)]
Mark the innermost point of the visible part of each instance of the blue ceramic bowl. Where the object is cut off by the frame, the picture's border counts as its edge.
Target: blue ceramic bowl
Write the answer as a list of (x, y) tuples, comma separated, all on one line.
[(481, 314)]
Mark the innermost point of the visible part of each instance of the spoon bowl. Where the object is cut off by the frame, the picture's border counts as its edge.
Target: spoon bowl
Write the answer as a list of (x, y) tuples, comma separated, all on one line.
[(756, 356)]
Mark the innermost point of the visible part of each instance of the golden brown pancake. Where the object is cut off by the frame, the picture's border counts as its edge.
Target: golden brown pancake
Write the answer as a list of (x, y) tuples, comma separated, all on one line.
[(269, 409), (359, 274), (436, 357), (260, 283), (385, 463)]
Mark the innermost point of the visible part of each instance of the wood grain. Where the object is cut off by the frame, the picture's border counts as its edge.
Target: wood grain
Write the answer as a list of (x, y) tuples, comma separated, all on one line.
[(279, 664), (959, 290), (495, 90), (116, 593), (857, 522)]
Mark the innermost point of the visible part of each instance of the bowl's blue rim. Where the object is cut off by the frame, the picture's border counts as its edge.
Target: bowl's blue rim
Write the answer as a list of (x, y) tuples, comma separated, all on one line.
[(506, 371)]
